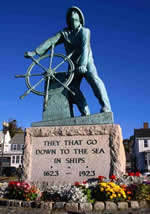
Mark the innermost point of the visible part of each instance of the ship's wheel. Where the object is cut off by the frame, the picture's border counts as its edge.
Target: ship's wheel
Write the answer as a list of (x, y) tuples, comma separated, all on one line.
[(48, 74)]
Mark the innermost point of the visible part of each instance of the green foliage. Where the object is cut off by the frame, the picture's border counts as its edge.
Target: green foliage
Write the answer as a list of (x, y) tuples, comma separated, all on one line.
[(13, 128), (89, 194), (142, 192)]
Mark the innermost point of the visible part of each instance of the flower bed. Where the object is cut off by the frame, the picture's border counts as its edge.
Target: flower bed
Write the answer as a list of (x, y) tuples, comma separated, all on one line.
[(129, 187)]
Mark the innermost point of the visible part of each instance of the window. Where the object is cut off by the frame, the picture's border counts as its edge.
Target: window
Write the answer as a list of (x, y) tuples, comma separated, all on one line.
[(22, 146), (13, 159), (14, 147), (17, 159), (145, 143), (6, 159), (18, 147)]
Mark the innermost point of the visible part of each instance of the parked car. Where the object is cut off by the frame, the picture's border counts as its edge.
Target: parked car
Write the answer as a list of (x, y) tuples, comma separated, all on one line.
[(9, 171)]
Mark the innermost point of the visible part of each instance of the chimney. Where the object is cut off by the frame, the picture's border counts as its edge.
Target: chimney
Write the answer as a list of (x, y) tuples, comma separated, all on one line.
[(145, 125)]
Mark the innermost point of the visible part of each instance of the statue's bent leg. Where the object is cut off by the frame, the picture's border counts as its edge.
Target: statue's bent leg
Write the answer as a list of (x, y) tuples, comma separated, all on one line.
[(80, 101), (78, 98), (98, 87)]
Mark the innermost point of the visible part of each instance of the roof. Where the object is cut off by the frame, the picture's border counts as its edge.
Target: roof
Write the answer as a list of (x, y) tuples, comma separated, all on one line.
[(142, 132), (17, 139)]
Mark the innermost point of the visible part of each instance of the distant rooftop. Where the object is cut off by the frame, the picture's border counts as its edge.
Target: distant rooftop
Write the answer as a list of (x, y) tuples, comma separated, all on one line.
[(17, 139), (142, 132)]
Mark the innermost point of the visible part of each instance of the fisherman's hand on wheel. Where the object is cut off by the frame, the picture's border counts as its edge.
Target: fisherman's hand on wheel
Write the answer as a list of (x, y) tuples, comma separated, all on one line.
[(82, 69), (29, 54)]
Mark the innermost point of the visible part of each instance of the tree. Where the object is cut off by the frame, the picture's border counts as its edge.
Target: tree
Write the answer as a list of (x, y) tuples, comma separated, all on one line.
[(13, 128)]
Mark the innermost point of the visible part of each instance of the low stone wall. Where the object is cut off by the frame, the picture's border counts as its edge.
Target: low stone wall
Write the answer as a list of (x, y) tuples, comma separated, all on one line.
[(98, 207)]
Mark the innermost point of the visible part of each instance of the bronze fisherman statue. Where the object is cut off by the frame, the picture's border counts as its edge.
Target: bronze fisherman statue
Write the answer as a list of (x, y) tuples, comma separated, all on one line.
[(76, 38)]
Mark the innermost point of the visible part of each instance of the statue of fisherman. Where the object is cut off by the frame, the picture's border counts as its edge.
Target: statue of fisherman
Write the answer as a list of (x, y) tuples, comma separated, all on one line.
[(77, 38)]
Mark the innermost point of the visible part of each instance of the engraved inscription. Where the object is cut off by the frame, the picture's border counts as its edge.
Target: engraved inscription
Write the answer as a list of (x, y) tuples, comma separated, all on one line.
[(71, 158)]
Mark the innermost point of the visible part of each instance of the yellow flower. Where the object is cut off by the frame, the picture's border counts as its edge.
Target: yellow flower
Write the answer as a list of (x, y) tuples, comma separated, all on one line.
[(103, 184), (101, 189), (124, 195), (111, 197), (114, 195), (108, 189), (112, 184)]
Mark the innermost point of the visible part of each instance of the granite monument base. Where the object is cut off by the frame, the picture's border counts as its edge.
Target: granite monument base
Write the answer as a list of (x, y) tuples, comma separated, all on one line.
[(66, 154)]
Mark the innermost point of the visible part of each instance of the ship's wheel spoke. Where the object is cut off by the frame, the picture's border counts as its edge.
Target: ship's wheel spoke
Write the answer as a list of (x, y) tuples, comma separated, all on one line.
[(46, 93), (30, 89), (65, 86), (29, 75), (34, 60), (65, 59)]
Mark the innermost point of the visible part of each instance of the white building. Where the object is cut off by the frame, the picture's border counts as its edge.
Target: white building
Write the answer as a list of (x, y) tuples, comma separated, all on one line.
[(11, 150), (4, 139), (141, 149), (16, 150), (5, 147)]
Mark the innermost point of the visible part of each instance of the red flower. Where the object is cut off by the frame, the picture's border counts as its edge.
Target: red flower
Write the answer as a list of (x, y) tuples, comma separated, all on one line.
[(130, 173), (18, 184), (112, 177), (12, 183), (84, 182), (137, 174), (100, 178), (76, 183)]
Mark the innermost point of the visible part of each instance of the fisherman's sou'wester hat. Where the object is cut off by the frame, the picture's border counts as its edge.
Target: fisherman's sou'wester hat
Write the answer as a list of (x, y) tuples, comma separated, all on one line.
[(78, 11)]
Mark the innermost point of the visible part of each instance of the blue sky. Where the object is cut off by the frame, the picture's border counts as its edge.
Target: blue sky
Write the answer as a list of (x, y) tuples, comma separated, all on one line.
[(120, 40)]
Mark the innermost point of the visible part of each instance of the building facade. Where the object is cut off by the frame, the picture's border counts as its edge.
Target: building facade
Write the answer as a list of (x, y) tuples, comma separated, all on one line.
[(141, 149), (16, 150), (11, 150)]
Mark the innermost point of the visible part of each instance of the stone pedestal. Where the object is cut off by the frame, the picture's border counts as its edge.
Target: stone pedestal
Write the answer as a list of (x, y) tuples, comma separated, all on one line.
[(66, 154)]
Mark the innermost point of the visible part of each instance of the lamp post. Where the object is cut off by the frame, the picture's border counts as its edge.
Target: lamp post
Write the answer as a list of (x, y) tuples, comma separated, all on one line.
[(5, 129)]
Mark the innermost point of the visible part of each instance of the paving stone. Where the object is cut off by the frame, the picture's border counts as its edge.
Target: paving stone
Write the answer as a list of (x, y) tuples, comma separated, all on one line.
[(110, 205), (98, 205), (11, 203), (123, 205), (41, 205), (71, 206), (35, 204), (144, 204), (85, 207), (61, 211), (134, 204), (25, 204), (59, 205), (47, 205), (4, 202), (17, 203)]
